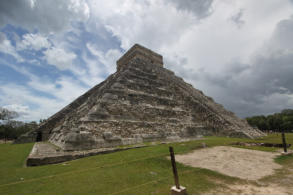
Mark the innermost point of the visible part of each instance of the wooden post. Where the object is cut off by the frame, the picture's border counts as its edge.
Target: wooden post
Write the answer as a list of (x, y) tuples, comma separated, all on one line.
[(174, 167), (284, 142), (177, 189)]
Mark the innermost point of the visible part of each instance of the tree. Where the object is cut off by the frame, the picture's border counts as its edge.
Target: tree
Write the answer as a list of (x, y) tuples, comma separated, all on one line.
[(6, 114), (12, 129), (258, 121), (287, 112), (277, 122), (262, 124)]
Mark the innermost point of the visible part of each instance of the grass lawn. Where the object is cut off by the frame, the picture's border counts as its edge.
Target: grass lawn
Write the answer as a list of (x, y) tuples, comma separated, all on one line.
[(136, 171)]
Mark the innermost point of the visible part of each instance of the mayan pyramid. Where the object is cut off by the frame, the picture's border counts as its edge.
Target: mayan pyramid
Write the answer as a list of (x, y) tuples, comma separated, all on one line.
[(142, 101)]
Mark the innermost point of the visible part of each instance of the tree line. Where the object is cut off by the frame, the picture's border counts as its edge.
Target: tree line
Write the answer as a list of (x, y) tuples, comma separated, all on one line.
[(11, 129), (282, 121)]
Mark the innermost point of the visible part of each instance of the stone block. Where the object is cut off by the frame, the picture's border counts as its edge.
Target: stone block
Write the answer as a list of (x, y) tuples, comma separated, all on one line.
[(151, 137), (131, 141), (79, 141), (180, 191), (107, 135), (114, 139), (173, 138)]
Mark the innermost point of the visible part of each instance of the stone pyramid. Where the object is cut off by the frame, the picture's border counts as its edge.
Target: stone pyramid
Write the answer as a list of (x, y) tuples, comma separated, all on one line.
[(142, 101)]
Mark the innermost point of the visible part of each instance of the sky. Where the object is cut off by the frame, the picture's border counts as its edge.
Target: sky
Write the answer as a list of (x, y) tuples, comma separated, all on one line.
[(239, 52)]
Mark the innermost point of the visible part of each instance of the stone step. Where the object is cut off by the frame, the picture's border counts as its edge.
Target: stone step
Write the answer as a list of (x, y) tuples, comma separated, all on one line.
[(138, 81), (136, 92), (140, 112), (123, 118), (143, 86), (142, 73), (137, 97), (143, 105), (139, 123), (142, 65), (149, 89), (153, 82), (146, 89), (130, 128)]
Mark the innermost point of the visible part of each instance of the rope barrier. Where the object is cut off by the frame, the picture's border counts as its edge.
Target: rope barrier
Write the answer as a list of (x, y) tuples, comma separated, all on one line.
[(149, 182), (79, 171)]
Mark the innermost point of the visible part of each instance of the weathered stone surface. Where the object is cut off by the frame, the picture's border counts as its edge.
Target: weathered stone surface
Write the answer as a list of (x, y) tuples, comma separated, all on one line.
[(140, 52), (141, 102), (44, 153)]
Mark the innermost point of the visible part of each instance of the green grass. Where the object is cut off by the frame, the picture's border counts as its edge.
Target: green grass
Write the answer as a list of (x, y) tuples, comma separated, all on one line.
[(274, 138), (136, 171)]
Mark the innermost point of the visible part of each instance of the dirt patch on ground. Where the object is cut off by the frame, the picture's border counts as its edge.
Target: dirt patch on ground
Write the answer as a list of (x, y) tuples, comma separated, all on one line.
[(231, 161), (249, 189)]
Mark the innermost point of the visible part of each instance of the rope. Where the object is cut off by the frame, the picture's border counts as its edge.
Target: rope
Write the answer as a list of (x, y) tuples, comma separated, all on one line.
[(79, 171), (149, 182)]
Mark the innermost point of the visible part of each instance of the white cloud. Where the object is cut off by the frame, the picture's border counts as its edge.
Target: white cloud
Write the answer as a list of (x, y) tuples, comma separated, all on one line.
[(46, 16), (146, 23), (7, 48), (209, 43), (40, 107), (65, 89), (237, 18), (108, 59), (33, 106), (59, 57), (33, 41), (22, 110), (200, 8), (94, 72)]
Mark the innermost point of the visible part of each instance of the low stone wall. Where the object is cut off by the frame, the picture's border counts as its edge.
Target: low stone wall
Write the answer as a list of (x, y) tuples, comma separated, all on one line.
[(44, 153)]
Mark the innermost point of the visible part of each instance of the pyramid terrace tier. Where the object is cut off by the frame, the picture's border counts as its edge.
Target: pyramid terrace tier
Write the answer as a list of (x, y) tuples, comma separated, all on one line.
[(109, 133), (142, 112)]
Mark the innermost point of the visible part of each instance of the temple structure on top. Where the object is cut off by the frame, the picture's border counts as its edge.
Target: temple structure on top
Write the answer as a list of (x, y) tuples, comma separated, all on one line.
[(140, 52), (141, 102)]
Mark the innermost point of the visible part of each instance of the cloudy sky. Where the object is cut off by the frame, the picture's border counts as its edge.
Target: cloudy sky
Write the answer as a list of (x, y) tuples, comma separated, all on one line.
[(240, 52)]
